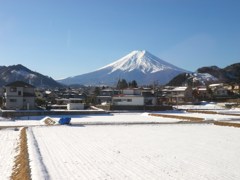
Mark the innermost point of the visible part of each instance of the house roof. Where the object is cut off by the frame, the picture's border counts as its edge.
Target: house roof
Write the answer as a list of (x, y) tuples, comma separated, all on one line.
[(19, 84), (125, 95), (109, 89), (183, 88), (215, 85), (69, 99), (202, 89)]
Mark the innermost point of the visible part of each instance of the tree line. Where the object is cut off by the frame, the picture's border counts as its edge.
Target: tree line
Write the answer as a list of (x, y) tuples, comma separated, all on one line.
[(122, 84)]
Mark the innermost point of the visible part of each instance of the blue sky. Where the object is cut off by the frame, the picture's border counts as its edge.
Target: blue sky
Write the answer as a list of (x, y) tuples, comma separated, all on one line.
[(62, 38)]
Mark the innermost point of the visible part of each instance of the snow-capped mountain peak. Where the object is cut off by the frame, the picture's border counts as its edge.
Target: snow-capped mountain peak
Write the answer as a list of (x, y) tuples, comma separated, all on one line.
[(141, 60), (141, 66)]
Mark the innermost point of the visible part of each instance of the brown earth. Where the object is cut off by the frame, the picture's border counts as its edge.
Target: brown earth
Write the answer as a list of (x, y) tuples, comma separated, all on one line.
[(195, 119), (21, 169), (220, 123)]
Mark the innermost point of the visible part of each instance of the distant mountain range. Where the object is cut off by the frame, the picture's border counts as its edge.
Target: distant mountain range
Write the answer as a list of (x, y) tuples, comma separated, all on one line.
[(206, 75), (141, 66), (20, 73)]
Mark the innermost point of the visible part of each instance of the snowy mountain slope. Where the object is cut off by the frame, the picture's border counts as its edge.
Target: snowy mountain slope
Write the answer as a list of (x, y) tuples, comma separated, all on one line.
[(207, 75), (195, 79), (203, 77), (20, 73), (141, 66), (230, 73), (142, 60)]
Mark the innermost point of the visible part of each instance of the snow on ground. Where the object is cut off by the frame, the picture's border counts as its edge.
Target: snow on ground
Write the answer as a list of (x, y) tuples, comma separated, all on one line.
[(8, 142), (121, 118), (204, 106), (120, 151), (91, 119), (230, 111), (136, 152), (12, 123)]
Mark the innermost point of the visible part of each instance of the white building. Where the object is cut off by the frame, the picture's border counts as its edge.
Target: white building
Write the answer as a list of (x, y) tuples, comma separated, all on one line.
[(135, 97), (69, 104), (132, 91), (128, 100)]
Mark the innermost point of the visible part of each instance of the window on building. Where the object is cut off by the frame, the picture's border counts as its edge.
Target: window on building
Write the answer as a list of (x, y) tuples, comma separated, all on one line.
[(19, 93), (117, 100), (13, 100), (13, 89)]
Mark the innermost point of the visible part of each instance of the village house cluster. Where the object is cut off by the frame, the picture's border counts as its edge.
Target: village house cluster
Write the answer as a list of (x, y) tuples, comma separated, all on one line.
[(23, 96)]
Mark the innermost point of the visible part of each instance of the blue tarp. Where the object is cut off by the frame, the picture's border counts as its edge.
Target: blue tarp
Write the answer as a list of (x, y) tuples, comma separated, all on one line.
[(64, 120)]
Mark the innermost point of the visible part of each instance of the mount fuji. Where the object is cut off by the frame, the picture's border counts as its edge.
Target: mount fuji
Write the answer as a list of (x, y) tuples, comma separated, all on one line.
[(141, 66)]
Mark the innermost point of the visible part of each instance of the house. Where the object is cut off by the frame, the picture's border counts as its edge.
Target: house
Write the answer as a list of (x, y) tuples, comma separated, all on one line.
[(135, 97), (181, 94), (105, 95), (128, 100), (233, 88), (149, 97), (201, 93), (132, 91), (19, 95), (164, 95), (176, 95), (69, 104), (218, 90)]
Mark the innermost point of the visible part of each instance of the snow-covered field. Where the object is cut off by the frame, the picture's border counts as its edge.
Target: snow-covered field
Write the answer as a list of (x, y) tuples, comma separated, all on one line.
[(111, 147), (123, 118), (137, 152), (8, 143)]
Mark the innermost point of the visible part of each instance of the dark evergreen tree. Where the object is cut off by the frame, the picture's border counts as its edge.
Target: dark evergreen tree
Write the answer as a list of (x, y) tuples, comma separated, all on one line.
[(96, 91), (122, 84), (133, 84)]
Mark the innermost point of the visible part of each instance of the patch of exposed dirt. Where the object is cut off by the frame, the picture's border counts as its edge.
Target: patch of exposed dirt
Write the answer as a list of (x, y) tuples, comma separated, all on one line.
[(195, 119), (21, 168), (220, 123)]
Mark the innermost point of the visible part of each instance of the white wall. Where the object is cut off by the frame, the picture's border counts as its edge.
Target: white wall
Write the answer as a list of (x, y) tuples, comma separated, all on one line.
[(14, 103), (132, 91), (129, 100), (75, 106)]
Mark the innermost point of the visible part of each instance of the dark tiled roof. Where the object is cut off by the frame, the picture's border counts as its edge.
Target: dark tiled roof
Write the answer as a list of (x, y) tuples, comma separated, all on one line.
[(19, 84)]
